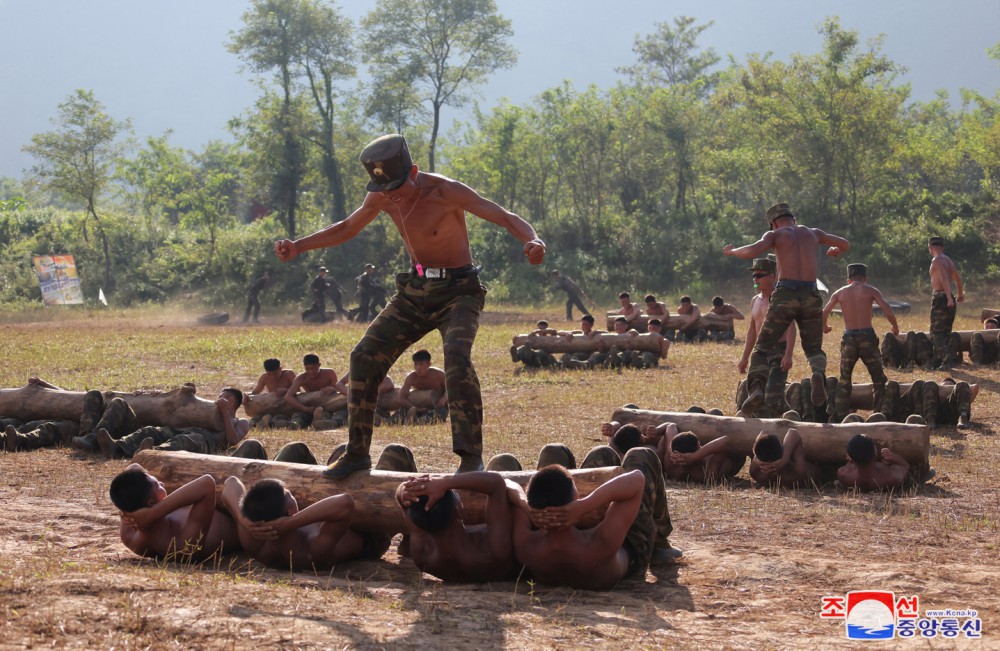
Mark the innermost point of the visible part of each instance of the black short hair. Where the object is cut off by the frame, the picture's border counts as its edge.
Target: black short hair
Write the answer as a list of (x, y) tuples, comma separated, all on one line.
[(685, 299), (311, 358), (654, 322), (624, 295), (992, 320), (861, 449), (588, 318), (627, 437), (620, 318), (265, 501), (649, 298), (437, 517), (550, 486), (717, 301), (271, 365), (768, 448), (236, 394), (422, 356), (696, 409), (685, 442), (130, 490), (542, 323)]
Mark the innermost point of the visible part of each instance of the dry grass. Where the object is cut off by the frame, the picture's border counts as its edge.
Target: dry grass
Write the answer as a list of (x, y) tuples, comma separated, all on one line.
[(756, 562)]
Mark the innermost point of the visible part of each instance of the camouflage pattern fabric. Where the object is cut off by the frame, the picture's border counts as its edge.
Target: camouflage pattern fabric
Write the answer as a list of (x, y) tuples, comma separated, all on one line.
[(774, 390), (534, 357), (803, 305), (504, 462), (46, 434), (919, 350), (651, 528), (397, 458), (938, 412), (449, 305), (893, 353), (556, 453), (186, 439), (855, 345), (982, 351), (602, 456), (942, 320), (115, 416)]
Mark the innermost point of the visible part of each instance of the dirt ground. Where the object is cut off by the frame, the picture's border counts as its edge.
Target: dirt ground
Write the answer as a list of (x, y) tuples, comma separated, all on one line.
[(756, 563)]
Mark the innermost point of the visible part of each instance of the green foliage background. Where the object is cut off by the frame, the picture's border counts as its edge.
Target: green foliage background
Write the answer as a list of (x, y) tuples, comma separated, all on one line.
[(633, 187)]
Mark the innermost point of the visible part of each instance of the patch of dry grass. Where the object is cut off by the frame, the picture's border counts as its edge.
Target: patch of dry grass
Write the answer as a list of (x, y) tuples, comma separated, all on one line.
[(756, 563)]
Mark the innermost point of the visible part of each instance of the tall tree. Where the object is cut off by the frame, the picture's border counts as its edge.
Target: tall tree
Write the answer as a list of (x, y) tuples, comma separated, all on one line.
[(270, 42), (448, 47), (77, 160), (670, 56)]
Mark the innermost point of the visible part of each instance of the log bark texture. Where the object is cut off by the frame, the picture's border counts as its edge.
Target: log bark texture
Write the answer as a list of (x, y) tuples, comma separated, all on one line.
[(177, 408), (375, 507), (580, 344), (987, 313), (824, 442)]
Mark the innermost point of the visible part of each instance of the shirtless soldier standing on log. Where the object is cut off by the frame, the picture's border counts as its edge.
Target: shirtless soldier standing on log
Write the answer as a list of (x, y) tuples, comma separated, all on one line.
[(440, 292), (795, 298)]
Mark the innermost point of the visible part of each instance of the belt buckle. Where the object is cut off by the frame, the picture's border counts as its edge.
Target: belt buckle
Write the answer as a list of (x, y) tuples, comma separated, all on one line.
[(431, 272)]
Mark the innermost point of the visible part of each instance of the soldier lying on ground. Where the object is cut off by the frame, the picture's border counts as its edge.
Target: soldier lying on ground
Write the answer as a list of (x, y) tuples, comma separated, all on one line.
[(181, 526), (441, 544), (632, 534), (782, 462), (118, 415), (864, 469), (684, 458), (535, 357)]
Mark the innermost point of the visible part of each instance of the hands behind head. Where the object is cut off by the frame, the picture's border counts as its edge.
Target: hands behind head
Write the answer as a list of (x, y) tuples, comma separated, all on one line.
[(415, 487), (140, 519), (270, 530)]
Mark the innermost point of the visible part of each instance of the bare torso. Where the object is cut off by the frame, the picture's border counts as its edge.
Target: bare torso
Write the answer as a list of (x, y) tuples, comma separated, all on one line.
[(942, 270), (569, 559), (163, 538), (795, 248), (461, 553), (856, 305), (758, 310)]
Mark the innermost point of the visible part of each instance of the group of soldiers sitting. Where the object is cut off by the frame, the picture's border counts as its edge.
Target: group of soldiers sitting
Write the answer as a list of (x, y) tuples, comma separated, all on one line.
[(109, 426), (602, 355)]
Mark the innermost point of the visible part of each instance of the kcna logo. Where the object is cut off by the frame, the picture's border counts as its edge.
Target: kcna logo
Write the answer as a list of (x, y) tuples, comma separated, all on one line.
[(870, 614)]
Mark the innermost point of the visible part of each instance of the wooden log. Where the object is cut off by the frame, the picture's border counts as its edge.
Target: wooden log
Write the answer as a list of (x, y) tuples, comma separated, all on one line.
[(987, 313), (824, 442), (270, 403), (375, 507), (177, 408), (580, 344), (862, 396), (674, 321), (964, 336)]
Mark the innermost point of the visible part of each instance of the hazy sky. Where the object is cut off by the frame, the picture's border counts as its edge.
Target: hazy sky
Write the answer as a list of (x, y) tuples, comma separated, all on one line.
[(163, 63)]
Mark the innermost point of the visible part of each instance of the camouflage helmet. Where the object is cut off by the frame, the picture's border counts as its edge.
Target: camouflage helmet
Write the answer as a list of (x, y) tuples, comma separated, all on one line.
[(776, 211), (387, 161), (857, 269), (764, 264)]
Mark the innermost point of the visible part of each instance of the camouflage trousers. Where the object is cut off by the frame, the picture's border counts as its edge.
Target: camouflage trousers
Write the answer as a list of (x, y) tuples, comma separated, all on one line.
[(449, 305), (858, 344), (115, 416), (651, 528), (535, 357), (41, 434), (983, 350), (187, 439), (924, 399), (577, 300), (942, 319), (774, 391), (802, 304)]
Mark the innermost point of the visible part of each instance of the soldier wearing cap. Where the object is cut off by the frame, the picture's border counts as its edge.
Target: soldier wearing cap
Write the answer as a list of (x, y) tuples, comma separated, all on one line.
[(859, 340), (795, 297), (318, 287), (779, 357), (943, 302), (441, 291)]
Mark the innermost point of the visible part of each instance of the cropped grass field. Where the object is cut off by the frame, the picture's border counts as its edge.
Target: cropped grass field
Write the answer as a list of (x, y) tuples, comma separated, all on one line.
[(756, 562)]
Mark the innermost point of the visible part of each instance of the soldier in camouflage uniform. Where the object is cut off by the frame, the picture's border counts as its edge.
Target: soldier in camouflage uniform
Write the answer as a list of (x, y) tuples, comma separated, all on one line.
[(982, 348), (943, 304), (859, 340), (440, 292), (795, 298), (779, 357)]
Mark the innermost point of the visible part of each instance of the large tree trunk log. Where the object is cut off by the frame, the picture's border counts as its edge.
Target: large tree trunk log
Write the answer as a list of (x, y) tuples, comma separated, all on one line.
[(375, 507), (580, 344), (270, 403), (177, 408), (987, 313), (862, 396), (964, 336), (824, 442)]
